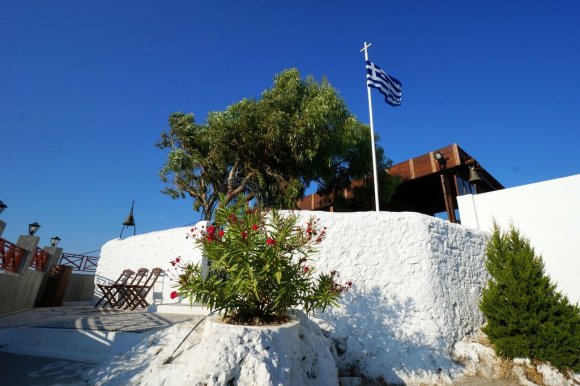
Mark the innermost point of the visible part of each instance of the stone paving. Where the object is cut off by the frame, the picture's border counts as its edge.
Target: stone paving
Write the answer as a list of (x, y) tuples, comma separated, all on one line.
[(49, 370), (92, 318)]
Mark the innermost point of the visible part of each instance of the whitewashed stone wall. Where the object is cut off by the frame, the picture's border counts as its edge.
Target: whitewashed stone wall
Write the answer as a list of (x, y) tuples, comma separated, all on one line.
[(416, 279)]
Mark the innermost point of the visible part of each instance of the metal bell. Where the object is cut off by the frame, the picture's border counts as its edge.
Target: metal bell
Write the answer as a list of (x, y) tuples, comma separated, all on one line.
[(129, 221), (474, 176)]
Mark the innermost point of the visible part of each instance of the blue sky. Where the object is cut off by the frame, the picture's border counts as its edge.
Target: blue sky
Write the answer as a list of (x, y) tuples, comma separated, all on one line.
[(86, 88)]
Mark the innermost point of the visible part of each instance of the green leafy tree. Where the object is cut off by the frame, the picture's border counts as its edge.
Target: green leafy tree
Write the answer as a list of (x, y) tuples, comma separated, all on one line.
[(526, 316), (272, 148)]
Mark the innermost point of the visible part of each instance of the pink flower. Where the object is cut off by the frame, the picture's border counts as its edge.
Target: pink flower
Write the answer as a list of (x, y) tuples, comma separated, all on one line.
[(270, 241), (221, 233), (305, 269), (255, 227), (178, 259), (173, 295)]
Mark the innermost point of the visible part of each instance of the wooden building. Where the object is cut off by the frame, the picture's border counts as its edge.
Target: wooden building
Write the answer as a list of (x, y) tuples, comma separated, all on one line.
[(430, 184)]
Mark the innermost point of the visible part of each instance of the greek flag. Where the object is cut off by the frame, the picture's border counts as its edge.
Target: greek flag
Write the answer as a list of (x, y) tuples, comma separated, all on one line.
[(386, 84)]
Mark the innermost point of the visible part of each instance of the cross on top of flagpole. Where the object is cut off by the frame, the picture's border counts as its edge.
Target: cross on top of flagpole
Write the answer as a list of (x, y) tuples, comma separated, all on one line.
[(366, 46), (365, 50)]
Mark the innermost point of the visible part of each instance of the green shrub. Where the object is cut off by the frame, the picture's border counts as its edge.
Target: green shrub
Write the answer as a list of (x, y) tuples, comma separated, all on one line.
[(526, 316), (259, 267)]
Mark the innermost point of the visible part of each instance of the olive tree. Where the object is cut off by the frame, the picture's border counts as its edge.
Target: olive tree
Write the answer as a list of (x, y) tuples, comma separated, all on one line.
[(269, 149)]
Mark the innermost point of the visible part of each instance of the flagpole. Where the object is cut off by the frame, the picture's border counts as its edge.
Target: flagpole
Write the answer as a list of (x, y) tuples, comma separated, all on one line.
[(372, 134)]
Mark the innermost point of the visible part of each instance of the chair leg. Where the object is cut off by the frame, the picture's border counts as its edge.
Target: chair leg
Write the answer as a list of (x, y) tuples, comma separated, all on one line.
[(113, 296), (108, 296), (124, 297), (132, 299), (140, 301)]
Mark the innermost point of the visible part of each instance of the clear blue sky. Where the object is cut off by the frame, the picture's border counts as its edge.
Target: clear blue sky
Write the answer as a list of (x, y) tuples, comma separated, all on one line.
[(87, 86)]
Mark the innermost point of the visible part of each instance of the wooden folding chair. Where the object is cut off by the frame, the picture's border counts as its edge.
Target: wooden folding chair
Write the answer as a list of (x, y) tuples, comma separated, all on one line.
[(135, 295), (121, 294), (107, 290)]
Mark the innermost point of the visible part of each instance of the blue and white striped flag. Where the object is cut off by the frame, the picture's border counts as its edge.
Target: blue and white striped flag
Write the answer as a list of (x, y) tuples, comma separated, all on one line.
[(386, 84)]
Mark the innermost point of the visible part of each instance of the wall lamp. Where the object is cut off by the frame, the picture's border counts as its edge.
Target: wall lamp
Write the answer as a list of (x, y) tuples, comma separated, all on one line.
[(54, 241), (437, 156), (32, 228), (2, 206)]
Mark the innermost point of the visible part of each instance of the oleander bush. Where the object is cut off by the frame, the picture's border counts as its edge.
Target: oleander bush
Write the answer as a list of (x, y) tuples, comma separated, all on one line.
[(259, 266)]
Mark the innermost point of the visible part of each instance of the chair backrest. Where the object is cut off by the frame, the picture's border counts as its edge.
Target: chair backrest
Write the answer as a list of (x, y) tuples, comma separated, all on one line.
[(155, 272), (124, 277), (139, 276)]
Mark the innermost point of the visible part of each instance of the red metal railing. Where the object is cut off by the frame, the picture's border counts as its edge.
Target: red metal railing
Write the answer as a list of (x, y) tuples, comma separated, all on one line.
[(80, 263), (10, 256), (40, 260)]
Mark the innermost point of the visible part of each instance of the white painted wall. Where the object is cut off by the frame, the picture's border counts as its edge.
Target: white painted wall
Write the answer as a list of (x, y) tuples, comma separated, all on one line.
[(547, 213), (416, 284)]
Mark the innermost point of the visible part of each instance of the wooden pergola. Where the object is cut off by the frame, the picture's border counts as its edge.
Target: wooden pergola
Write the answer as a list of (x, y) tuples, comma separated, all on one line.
[(430, 184)]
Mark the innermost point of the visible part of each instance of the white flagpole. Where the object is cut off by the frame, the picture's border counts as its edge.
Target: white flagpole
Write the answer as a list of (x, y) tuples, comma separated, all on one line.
[(372, 134)]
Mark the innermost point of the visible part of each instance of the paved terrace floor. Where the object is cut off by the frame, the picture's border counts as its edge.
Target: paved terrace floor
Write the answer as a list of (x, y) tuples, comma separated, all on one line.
[(92, 318), (31, 358)]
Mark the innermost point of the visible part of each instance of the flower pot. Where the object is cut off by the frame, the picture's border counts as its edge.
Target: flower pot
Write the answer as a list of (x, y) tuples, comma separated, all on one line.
[(273, 351)]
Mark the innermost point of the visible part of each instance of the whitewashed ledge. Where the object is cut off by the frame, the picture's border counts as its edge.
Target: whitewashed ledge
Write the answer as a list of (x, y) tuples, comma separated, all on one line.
[(178, 308)]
